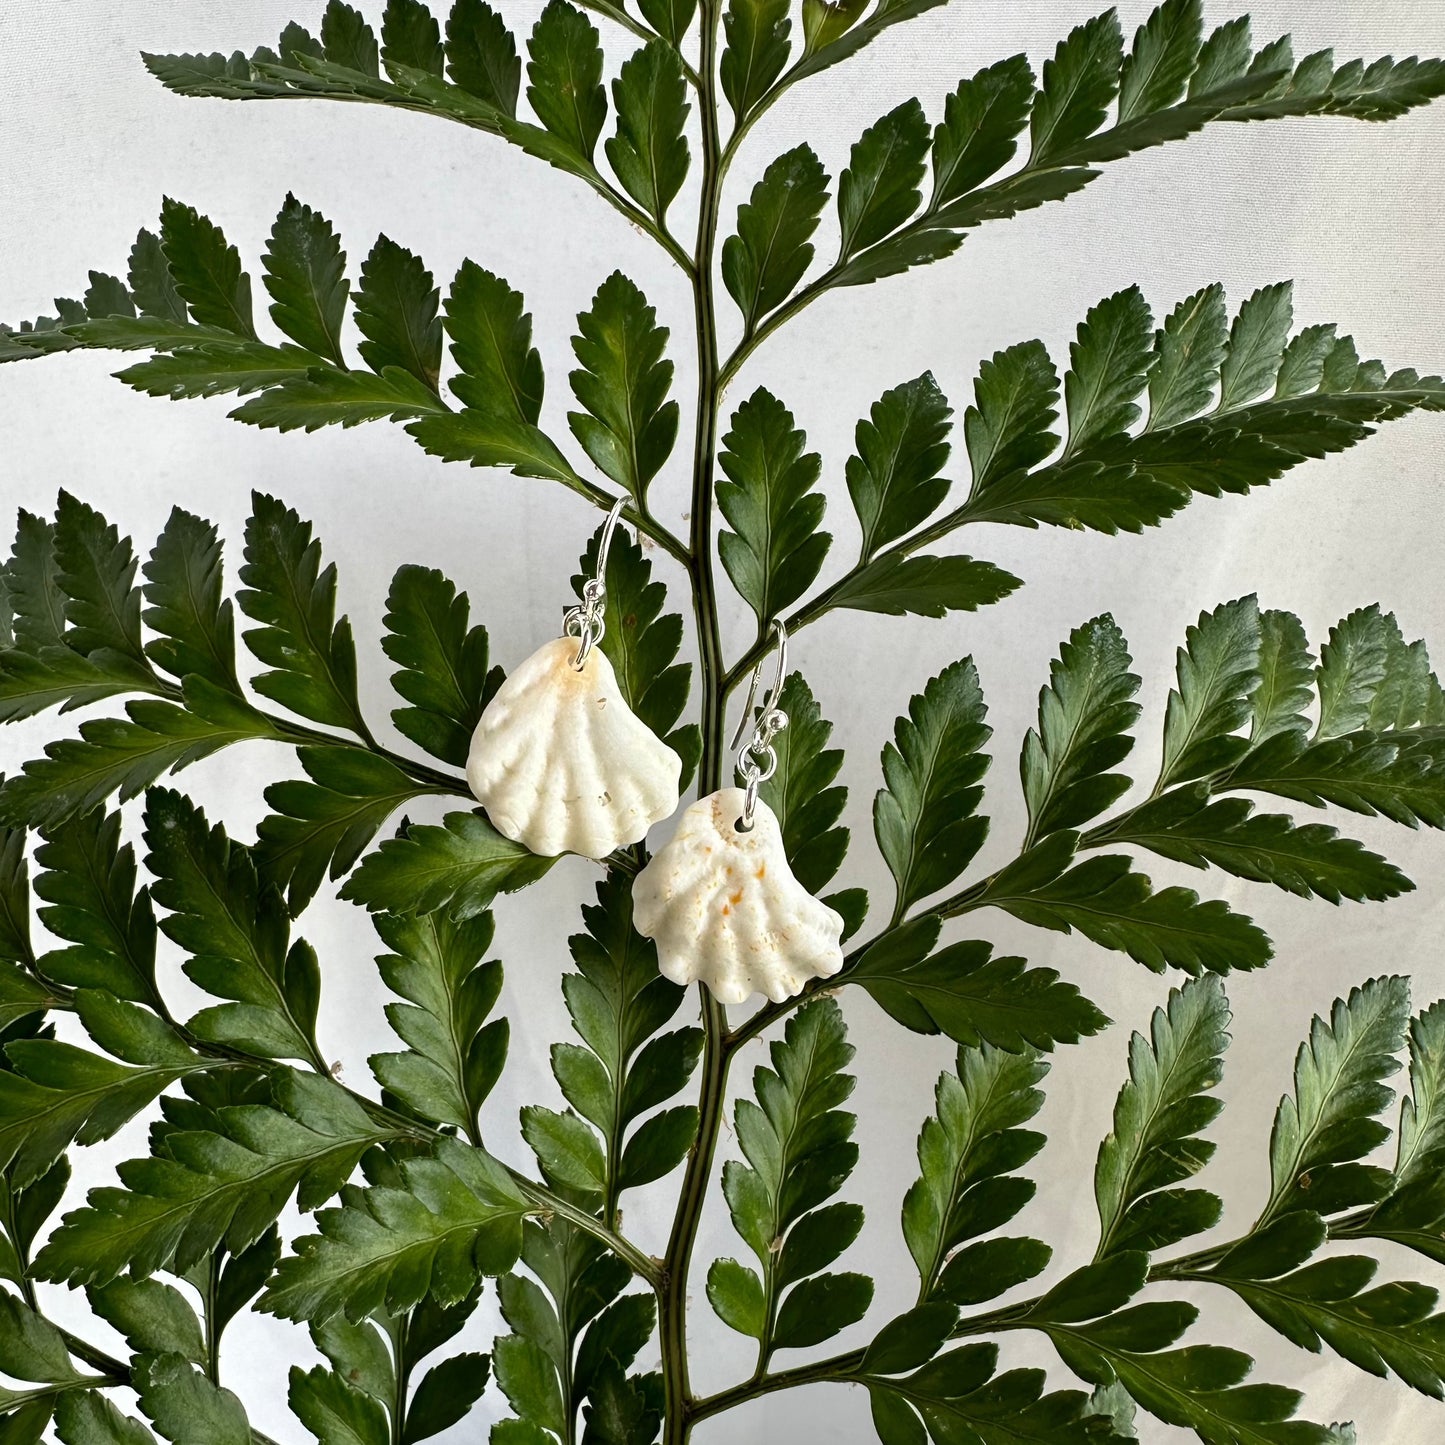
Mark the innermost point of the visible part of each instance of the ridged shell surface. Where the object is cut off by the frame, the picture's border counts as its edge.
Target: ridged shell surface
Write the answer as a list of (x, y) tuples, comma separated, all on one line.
[(724, 907), (563, 765)]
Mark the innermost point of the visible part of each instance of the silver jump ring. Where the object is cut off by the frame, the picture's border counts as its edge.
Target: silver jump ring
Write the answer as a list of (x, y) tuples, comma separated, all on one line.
[(757, 759), (750, 804), (758, 762), (589, 630)]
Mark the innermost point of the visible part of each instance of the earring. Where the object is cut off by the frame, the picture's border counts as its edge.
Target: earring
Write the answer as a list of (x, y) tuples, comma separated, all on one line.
[(720, 900), (559, 761)]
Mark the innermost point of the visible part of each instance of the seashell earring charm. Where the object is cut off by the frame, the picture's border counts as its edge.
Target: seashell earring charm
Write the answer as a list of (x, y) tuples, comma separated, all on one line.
[(558, 759), (720, 900)]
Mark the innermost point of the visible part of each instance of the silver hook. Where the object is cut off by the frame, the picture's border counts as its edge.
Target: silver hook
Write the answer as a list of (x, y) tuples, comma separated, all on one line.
[(757, 759), (588, 620)]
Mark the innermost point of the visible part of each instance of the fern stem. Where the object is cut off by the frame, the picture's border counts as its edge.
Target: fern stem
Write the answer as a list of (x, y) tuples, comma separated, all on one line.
[(119, 1372), (765, 103), (22, 1253), (210, 1308), (571, 1403), (823, 602), (396, 1327), (1009, 1317), (672, 1297), (97, 1359), (591, 176), (643, 1265), (770, 1013), (838, 1369), (639, 28), (704, 588), (546, 1202)]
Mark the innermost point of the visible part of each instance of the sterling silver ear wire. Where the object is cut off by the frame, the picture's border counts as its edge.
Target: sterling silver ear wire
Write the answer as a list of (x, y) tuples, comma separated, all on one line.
[(588, 620), (757, 759)]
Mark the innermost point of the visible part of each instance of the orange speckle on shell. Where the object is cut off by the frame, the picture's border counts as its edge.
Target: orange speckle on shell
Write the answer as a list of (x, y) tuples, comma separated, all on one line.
[(736, 897), (762, 871)]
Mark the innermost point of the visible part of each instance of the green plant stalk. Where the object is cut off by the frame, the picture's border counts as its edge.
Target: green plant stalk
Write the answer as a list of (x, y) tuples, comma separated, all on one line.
[(119, 1372), (966, 900), (771, 1013), (299, 734), (1195, 1267), (612, 1192), (213, 1333), (811, 611), (714, 686), (828, 280), (12, 1233), (672, 1296), (395, 1326), (546, 1203), (837, 1369), (640, 29), (570, 1402), (591, 176)]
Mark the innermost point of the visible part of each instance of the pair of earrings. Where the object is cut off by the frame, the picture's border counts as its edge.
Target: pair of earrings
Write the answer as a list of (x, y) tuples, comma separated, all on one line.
[(563, 765)]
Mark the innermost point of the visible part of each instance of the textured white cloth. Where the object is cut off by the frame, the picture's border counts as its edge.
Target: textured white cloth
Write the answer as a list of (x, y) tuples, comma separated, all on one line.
[(89, 144)]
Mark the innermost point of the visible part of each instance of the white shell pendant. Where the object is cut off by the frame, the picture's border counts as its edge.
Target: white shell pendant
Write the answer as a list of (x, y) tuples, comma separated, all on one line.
[(563, 765), (724, 907)]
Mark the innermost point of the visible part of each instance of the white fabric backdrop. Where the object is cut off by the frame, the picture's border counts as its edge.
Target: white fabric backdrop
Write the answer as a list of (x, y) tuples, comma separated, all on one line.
[(89, 144)]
